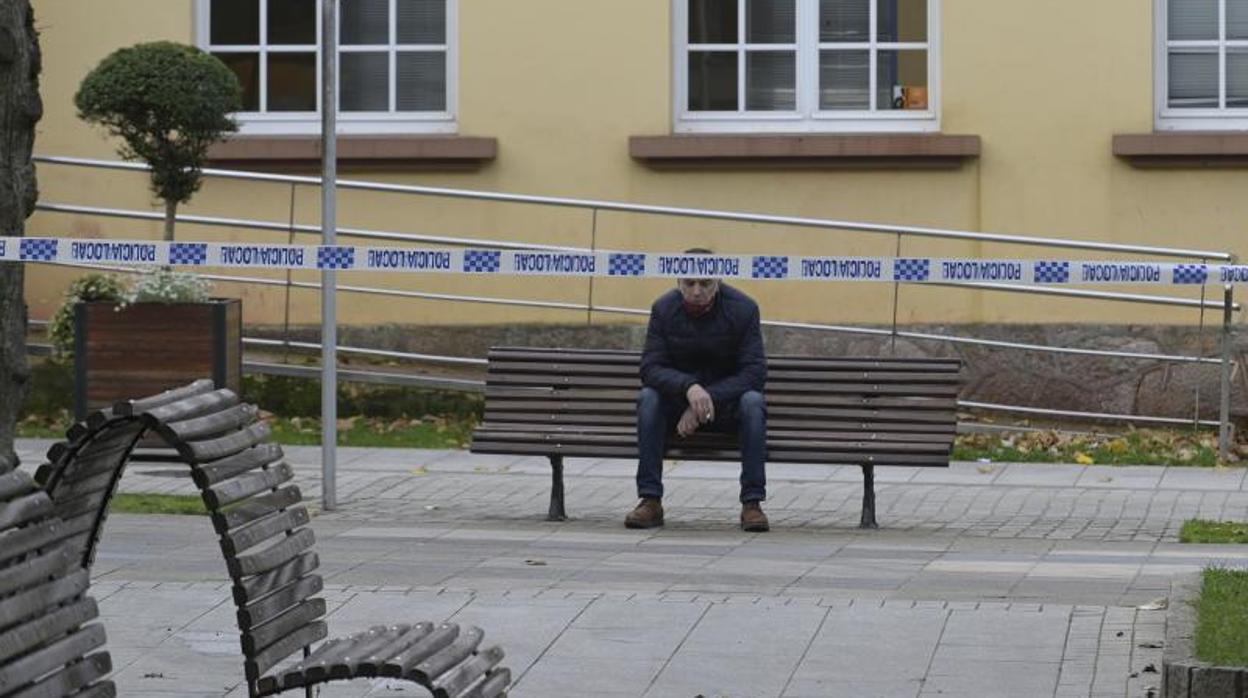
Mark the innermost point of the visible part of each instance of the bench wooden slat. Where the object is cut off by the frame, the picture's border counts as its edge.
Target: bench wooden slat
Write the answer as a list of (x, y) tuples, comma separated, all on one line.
[(27, 604), (87, 504), (572, 419), (773, 445), (372, 664), (494, 429), (35, 632), (257, 664), (272, 556), (228, 445), (633, 357), (255, 457), (132, 407), (260, 530), (261, 637), (399, 664), (74, 677), (456, 680), (20, 541), (448, 657), (15, 483), (846, 374), (192, 407), (252, 588), (213, 424), (493, 686), (241, 487), (30, 667), (796, 386), (338, 660), (79, 486), (281, 600), (255, 508), (823, 458), (25, 509), (35, 569), (611, 400)]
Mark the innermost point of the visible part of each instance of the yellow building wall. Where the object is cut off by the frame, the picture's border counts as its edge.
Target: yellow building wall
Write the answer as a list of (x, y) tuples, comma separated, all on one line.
[(562, 85)]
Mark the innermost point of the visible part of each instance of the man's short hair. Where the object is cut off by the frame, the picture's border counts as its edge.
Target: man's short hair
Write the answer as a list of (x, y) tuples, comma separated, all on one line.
[(699, 250)]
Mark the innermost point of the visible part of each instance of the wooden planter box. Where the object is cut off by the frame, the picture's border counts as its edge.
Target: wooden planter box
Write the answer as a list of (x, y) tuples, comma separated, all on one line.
[(150, 347)]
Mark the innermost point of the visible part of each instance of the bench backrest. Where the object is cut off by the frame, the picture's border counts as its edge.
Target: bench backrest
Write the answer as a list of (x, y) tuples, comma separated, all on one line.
[(48, 646), (245, 485), (866, 411)]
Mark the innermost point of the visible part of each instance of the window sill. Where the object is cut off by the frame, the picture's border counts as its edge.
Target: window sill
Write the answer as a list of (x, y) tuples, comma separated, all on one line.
[(385, 151), (874, 150), (1163, 149)]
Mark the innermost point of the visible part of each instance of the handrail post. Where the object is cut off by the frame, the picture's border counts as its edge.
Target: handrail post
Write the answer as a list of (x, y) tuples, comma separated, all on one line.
[(1224, 408)]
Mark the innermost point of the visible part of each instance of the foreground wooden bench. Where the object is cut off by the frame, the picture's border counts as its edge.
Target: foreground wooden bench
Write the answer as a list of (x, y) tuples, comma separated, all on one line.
[(562, 403), (267, 546), (48, 646)]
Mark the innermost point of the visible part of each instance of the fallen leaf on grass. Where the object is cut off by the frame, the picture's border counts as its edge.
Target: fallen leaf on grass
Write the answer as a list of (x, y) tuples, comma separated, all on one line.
[(1084, 459)]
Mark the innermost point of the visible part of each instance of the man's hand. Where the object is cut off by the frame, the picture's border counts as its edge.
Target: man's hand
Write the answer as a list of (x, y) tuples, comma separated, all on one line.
[(688, 423), (701, 404)]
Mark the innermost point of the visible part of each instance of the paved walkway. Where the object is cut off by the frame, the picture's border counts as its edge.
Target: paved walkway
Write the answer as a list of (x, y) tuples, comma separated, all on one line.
[(986, 580)]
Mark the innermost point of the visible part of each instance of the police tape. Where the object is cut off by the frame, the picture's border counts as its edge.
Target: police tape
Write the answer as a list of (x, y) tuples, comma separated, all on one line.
[(611, 264)]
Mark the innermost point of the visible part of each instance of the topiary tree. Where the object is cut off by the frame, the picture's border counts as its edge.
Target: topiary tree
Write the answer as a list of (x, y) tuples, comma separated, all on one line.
[(168, 103)]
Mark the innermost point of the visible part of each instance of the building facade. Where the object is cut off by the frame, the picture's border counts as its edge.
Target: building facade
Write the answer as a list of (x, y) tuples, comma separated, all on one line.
[(1114, 121)]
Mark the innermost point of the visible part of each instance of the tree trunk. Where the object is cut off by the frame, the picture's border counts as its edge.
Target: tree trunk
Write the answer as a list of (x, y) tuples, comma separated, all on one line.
[(20, 109), (171, 215)]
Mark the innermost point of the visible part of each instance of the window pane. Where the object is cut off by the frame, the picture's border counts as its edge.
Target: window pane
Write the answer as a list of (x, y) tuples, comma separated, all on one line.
[(365, 81), (844, 20), (712, 81), (247, 67), (712, 21), (770, 81), (770, 21), (901, 20), (1193, 80), (844, 80), (421, 81), (1237, 19), (1193, 19), (292, 82), (901, 80), (422, 21), (292, 22), (234, 22), (365, 22), (1237, 79)]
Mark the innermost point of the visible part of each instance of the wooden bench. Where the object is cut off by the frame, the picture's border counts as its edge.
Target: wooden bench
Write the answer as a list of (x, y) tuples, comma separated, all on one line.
[(48, 647), (563, 403), (267, 545)]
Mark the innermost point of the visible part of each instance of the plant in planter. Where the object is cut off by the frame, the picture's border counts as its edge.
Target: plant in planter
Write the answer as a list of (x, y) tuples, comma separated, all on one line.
[(93, 287), (167, 103)]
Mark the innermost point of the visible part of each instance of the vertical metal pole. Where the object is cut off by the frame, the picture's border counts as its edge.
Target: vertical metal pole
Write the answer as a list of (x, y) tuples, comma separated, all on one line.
[(329, 280), (1224, 408)]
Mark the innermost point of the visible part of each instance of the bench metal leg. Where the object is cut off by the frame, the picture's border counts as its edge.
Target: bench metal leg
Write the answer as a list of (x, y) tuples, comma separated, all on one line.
[(556, 512), (868, 498)]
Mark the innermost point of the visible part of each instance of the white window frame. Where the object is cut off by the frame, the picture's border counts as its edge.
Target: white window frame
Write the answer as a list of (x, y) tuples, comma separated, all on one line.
[(807, 118), (1168, 119), (349, 123)]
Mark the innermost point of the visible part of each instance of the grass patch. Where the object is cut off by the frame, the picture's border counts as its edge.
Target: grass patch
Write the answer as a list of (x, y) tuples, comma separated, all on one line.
[(1222, 618), (1204, 531), (1137, 447), (426, 432), (184, 504)]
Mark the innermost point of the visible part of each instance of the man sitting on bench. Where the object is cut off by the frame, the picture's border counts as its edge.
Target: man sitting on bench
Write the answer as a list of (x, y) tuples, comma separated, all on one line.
[(703, 367)]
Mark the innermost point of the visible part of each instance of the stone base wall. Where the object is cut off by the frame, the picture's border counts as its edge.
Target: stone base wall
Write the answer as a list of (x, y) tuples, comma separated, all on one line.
[(997, 375)]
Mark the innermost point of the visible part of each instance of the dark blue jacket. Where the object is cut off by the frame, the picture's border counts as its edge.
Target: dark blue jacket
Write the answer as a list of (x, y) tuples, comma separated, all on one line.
[(722, 351)]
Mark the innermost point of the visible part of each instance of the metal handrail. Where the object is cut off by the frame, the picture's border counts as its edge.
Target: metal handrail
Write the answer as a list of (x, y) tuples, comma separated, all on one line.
[(797, 221), (581, 307)]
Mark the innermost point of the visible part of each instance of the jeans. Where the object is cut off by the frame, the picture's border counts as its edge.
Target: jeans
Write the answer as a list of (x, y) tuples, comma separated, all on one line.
[(657, 417)]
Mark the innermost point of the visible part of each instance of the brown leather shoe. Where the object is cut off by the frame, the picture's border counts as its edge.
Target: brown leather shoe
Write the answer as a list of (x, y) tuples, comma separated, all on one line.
[(753, 519), (648, 514)]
